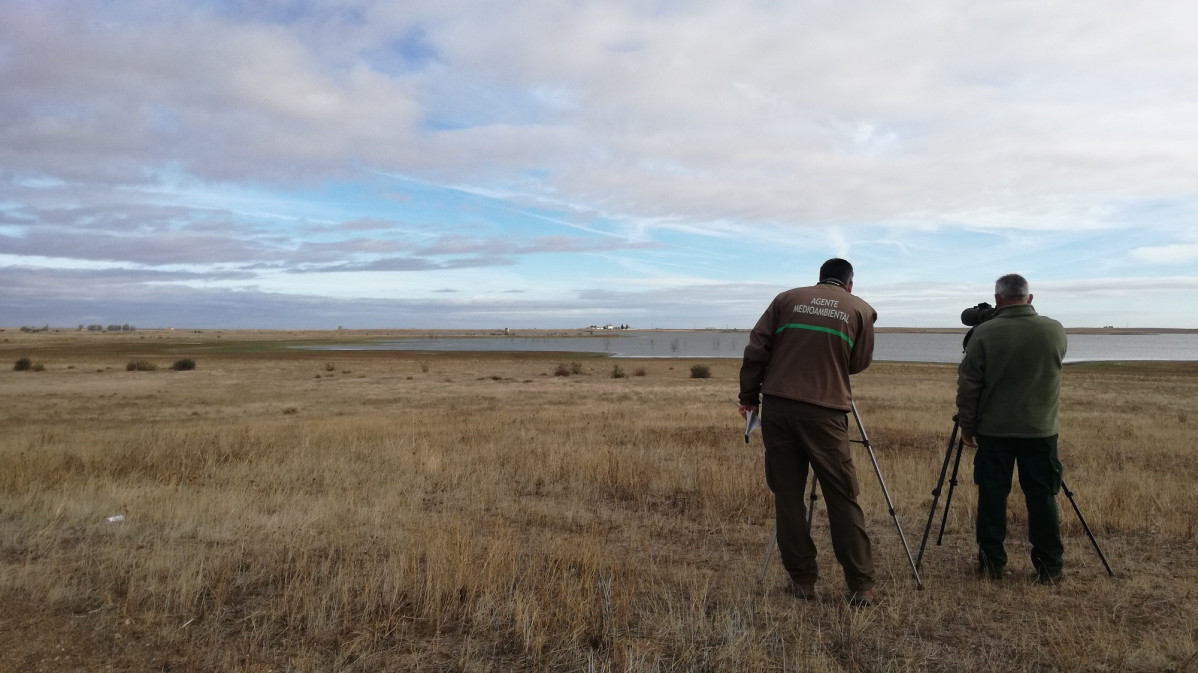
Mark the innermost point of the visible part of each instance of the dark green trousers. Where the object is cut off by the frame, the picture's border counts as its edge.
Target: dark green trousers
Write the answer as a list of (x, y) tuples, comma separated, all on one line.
[(798, 435), (1040, 480)]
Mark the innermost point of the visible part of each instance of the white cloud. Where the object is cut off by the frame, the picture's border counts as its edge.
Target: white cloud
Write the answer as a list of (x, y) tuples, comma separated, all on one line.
[(1175, 253), (788, 113), (732, 136)]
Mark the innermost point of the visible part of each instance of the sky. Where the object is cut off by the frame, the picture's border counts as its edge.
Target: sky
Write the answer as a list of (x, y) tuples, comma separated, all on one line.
[(471, 164)]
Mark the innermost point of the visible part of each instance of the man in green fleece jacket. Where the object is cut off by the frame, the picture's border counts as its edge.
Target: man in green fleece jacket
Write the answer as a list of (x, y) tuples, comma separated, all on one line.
[(1008, 401)]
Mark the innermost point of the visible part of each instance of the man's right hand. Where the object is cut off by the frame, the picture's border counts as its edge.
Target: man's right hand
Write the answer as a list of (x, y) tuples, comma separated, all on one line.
[(969, 441), (745, 409)]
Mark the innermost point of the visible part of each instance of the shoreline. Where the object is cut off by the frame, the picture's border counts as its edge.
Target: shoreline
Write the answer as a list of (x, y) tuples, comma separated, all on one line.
[(60, 345)]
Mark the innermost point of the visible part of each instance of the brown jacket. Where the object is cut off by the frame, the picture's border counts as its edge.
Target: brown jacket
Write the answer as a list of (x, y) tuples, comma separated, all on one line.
[(806, 345)]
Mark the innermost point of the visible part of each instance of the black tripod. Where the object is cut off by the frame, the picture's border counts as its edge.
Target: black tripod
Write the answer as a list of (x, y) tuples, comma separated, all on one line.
[(864, 441), (952, 485)]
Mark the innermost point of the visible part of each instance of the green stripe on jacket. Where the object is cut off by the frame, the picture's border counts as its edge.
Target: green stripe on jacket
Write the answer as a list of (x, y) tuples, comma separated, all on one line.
[(815, 328)]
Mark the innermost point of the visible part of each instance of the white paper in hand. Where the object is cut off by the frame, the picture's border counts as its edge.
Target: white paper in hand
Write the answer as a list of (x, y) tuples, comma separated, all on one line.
[(752, 422)]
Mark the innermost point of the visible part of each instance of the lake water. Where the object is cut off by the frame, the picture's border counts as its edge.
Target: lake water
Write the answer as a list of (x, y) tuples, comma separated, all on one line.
[(889, 346)]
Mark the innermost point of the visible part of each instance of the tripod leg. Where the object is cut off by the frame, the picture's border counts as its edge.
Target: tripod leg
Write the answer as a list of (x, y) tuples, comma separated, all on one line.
[(948, 452), (952, 486), (889, 504), (1069, 494), (769, 551), (811, 504)]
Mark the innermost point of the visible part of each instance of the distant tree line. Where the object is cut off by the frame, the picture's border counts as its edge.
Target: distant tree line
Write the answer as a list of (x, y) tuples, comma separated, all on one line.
[(89, 328)]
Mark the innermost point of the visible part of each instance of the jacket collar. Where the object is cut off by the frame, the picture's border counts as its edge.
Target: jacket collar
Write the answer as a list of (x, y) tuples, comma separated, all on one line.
[(1014, 311)]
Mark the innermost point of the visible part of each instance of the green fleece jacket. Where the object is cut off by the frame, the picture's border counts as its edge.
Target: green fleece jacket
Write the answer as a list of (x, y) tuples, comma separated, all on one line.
[(1009, 382)]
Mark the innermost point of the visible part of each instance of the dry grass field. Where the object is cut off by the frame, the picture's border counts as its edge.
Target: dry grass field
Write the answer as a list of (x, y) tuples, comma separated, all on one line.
[(297, 510)]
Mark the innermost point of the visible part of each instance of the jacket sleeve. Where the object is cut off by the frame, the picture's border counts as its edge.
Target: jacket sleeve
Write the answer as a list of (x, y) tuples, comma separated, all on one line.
[(757, 358), (862, 353), (971, 377)]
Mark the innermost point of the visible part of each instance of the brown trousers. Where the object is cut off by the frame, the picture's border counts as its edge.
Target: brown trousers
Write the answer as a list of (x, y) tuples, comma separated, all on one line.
[(797, 435)]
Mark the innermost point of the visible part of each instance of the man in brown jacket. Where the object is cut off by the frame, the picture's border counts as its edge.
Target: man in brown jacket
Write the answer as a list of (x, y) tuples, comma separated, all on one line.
[(797, 365)]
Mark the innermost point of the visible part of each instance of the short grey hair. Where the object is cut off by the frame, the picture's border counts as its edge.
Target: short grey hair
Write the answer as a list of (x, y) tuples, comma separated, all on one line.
[(1011, 286)]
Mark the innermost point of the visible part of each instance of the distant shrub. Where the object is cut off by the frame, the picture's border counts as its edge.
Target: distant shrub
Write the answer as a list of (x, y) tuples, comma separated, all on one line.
[(330, 367), (617, 372), (184, 365), (700, 372), (22, 365), (563, 369), (39, 367), (424, 367), (140, 366), (640, 371), (575, 367)]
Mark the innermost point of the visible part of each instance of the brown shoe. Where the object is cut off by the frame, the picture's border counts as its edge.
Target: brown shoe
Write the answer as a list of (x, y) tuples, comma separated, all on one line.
[(865, 597), (803, 591)]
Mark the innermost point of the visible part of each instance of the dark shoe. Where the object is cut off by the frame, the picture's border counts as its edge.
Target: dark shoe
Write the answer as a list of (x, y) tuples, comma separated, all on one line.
[(1050, 580), (803, 591), (865, 598), (991, 567), (989, 572)]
